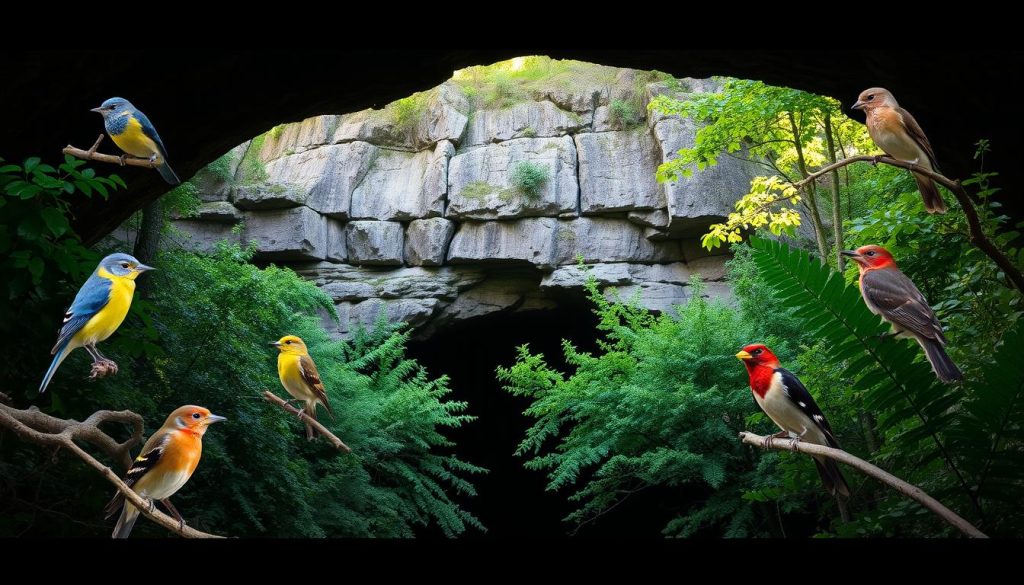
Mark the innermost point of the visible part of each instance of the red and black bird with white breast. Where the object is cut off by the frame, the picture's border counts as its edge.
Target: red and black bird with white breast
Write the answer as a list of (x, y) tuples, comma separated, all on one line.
[(787, 402)]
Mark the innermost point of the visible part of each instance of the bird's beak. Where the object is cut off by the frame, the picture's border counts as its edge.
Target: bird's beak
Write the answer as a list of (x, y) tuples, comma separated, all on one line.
[(275, 343), (850, 253), (744, 355), (143, 267), (858, 106), (98, 110), (214, 418)]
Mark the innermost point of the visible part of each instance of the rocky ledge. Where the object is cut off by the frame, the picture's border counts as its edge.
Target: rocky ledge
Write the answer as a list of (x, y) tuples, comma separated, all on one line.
[(425, 218)]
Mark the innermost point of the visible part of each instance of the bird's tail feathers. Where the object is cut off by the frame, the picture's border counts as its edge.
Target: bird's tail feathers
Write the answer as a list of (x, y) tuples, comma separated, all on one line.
[(62, 352), (833, 479), (167, 173), (129, 514), (113, 505), (933, 201), (944, 367)]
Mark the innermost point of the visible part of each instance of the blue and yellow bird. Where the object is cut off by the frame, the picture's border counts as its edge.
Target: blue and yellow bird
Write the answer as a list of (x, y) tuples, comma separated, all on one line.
[(133, 133), (97, 311)]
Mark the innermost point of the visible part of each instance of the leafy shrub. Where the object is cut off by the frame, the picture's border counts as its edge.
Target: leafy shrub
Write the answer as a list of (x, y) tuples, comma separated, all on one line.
[(528, 178), (211, 318), (661, 405)]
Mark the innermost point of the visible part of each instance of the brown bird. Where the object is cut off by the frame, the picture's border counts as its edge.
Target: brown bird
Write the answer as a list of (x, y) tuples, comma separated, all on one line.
[(892, 296), (896, 132)]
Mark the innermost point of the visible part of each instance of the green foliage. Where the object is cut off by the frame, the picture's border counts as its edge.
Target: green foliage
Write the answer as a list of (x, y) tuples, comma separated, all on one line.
[(625, 114), (405, 113), (660, 406), (213, 317), (277, 131), (943, 438), (506, 83), (966, 289), (778, 128), (528, 178), (251, 169), (36, 240)]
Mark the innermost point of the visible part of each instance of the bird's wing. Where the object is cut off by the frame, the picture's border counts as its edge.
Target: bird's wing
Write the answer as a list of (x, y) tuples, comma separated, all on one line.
[(143, 464), (798, 394), (915, 132), (312, 378), (901, 303), (150, 131), (91, 298)]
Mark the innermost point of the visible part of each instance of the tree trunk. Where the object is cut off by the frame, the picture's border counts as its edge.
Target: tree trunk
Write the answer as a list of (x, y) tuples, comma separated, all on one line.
[(837, 221), (147, 242), (812, 202)]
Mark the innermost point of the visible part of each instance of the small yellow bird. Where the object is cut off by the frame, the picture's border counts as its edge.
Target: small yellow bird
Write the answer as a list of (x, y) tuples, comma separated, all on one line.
[(299, 377)]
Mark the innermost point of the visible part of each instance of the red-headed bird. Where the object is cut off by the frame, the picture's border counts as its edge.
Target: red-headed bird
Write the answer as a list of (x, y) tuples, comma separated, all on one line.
[(889, 294), (165, 464), (787, 402), (896, 132)]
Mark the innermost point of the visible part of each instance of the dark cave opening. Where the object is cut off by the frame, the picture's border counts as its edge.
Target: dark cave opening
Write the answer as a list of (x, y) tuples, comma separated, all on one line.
[(511, 501)]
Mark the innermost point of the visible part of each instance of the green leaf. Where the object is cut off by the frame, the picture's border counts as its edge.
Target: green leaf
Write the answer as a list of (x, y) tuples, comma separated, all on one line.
[(31, 163), (55, 221)]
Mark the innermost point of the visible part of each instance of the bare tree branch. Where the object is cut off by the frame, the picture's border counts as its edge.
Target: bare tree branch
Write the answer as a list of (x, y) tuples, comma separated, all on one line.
[(334, 440), (911, 491), (91, 154), (974, 230), (37, 427)]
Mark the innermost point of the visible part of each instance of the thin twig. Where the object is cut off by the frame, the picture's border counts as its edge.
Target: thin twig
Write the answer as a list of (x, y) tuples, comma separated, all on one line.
[(91, 154), (334, 440), (42, 429), (870, 470), (974, 229)]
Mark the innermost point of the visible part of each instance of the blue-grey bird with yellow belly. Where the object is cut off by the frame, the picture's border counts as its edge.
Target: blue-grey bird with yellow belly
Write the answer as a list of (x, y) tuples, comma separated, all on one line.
[(133, 133), (97, 311)]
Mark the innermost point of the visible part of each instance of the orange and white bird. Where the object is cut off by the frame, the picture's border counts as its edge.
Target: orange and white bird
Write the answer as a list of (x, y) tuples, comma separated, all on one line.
[(896, 132), (300, 378), (165, 464)]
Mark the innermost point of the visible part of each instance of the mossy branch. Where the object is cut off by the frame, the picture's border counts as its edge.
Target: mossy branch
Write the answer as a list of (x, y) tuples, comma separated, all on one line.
[(37, 427), (911, 491)]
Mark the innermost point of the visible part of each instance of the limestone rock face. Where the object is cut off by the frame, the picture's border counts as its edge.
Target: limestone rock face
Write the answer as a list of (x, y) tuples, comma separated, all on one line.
[(526, 120), (374, 242), (426, 241), (414, 211), (287, 235), (617, 172), (327, 176), (486, 242), (481, 185)]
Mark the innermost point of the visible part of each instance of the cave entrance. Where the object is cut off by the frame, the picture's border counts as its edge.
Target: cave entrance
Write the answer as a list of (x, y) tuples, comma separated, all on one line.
[(511, 501)]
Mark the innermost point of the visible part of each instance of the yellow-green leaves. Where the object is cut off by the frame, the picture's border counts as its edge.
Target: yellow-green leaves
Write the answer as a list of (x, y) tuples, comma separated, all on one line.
[(764, 206)]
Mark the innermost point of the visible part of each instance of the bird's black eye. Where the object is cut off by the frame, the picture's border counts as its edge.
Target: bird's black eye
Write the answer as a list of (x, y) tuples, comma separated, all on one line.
[(756, 352), (289, 342), (871, 97), (196, 415), (124, 265), (869, 253)]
